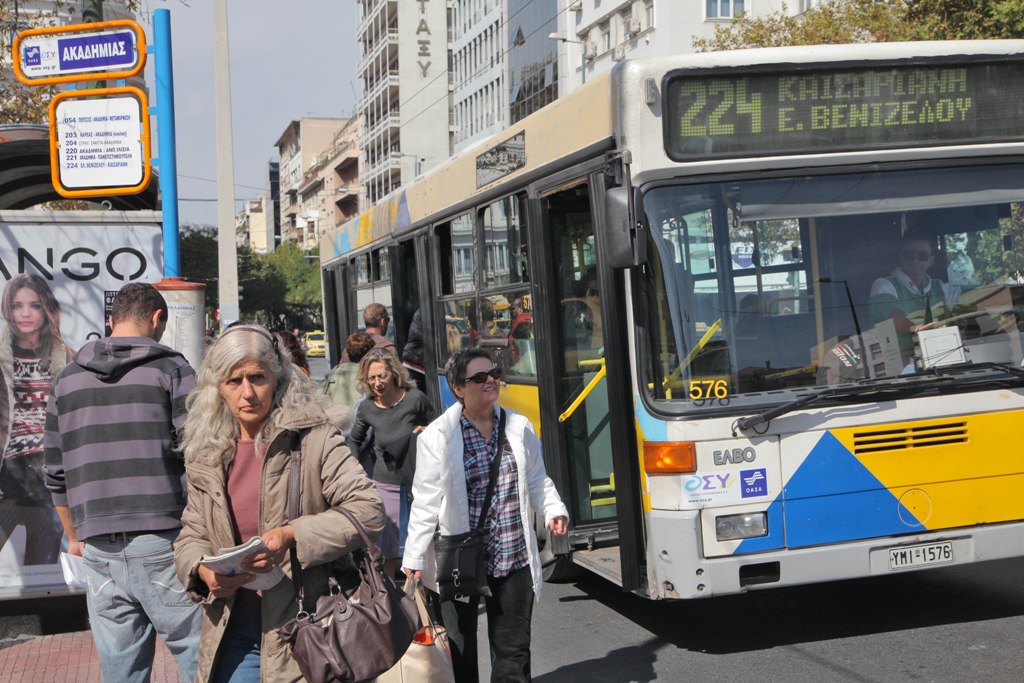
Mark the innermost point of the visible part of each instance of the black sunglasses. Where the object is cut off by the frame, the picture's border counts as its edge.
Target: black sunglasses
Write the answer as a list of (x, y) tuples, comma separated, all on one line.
[(481, 377), (911, 254)]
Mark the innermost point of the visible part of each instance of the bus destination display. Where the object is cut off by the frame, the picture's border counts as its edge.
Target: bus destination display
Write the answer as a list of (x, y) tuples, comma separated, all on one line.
[(835, 110)]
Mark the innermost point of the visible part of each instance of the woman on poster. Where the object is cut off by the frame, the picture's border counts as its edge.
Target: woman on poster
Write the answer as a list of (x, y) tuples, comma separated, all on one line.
[(32, 354)]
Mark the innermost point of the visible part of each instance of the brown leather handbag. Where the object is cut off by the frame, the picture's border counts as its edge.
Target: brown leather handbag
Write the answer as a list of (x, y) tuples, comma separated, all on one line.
[(352, 636)]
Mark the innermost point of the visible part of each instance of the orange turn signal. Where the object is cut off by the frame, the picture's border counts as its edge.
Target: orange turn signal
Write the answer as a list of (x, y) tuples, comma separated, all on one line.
[(670, 457)]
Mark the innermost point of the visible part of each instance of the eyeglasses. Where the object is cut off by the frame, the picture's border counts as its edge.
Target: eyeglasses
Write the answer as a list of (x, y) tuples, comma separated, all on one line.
[(911, 254), (481, 377)]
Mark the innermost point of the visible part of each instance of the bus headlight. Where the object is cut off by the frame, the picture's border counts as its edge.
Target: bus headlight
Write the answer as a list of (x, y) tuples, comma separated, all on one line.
[(735, 527)]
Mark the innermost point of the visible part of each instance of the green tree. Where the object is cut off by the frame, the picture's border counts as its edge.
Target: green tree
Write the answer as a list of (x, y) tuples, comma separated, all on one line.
[(262, 288), (302, 275), (870, 21), (197, 245), (966, 19), (833, 21)]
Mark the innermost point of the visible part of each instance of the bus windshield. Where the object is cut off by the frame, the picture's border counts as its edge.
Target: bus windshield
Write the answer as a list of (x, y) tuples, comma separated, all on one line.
[(758, 290)]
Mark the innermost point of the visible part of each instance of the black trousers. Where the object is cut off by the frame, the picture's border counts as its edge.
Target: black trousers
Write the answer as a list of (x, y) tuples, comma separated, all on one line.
[(509, 612)]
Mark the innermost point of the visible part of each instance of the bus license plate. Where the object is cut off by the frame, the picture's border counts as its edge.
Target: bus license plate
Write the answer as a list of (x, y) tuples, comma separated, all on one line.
[(902, 557)]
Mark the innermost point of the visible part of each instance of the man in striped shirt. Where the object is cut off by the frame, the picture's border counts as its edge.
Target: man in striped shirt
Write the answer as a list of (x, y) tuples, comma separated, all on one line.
[(119, 485)]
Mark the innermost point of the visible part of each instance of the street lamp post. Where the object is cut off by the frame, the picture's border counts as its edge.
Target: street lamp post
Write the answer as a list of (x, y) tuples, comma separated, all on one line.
[(583, 54)]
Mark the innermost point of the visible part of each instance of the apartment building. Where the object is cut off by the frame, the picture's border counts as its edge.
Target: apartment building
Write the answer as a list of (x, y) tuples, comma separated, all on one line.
[(254, 227), (532, 56), (594, 35), (479, 96), (405, 105), (299, 147)]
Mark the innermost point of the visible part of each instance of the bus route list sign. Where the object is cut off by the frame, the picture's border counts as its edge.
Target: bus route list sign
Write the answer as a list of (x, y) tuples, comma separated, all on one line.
[(99, 142), (114, 49)]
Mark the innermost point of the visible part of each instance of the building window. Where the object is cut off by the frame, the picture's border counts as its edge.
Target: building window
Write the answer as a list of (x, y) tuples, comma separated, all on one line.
[(725, 9), (804, 5), (649, 13), (605, 42)]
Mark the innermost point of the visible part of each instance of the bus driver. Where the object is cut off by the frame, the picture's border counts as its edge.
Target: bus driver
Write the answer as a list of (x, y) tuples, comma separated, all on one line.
[(908, 295)]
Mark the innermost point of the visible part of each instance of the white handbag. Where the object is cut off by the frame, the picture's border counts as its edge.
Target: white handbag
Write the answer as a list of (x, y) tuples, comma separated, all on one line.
[(429, 658)]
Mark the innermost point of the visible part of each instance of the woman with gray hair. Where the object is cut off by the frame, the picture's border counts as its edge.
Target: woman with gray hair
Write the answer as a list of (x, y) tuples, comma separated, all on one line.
[(250, 409), (453, 469), (397, 411)]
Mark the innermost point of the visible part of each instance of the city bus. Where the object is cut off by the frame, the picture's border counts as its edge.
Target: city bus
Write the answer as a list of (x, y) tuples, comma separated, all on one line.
[(691, 271)]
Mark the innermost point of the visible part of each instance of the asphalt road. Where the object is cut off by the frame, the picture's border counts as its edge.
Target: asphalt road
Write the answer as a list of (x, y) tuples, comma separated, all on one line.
[(958, 624)]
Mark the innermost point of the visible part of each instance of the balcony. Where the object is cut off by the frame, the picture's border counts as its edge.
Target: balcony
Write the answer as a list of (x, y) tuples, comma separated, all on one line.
[(383, 51), (387, 85)]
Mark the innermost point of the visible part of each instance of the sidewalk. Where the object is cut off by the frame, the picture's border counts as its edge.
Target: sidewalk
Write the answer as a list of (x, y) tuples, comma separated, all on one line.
[(67, 658)]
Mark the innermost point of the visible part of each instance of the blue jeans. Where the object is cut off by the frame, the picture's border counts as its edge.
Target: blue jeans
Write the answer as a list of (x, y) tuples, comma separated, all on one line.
[(133, 595), (238, 656)]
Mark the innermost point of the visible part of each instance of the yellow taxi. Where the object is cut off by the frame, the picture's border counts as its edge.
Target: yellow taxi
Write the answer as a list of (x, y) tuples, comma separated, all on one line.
[(316, 344)]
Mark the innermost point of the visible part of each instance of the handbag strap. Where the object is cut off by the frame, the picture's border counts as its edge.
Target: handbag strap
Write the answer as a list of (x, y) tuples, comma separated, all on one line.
[(492, 481), (294, 490), (415, 588), (294, 487)]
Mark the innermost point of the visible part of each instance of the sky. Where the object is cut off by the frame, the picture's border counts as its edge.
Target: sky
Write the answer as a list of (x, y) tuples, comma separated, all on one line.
[(288, 60)]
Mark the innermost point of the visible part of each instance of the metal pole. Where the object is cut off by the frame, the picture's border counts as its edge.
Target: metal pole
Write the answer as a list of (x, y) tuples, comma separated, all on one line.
[(227, 254), (166, 139)]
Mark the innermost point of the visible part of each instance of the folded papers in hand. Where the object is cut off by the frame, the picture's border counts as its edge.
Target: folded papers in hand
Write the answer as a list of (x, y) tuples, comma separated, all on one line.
[(229, 562), (74, 570)]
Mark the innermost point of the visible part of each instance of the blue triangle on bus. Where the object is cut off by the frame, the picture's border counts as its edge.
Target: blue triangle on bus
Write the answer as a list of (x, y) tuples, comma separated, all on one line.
[(833, 497)]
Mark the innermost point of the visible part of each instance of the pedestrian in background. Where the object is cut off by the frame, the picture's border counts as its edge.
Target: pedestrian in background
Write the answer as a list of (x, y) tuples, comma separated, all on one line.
[(251, 408), (452, 474), (32, 354), (298, 356), (412, 352), (398, 412), (376, 319), (119, 486), (342, 383)]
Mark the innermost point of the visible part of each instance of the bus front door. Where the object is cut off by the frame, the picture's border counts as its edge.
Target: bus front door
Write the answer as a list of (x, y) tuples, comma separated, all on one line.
[(575, 350)]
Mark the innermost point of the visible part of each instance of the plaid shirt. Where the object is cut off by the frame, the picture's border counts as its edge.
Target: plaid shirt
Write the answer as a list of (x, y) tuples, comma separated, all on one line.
[(506, 543)]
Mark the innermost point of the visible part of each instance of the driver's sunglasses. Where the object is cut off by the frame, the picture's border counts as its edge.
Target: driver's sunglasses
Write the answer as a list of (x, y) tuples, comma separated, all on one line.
[(911, 254), (481, 377)]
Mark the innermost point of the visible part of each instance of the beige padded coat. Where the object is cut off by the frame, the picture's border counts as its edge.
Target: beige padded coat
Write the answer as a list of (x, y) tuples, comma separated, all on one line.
[(330, 476)]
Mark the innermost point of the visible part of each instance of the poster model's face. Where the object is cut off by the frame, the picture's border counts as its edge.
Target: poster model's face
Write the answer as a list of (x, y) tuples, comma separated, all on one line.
[(27, 313)]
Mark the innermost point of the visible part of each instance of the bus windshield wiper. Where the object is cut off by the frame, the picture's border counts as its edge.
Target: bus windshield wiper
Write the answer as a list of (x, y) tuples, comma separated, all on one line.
[(1009, 369), (887, 386)]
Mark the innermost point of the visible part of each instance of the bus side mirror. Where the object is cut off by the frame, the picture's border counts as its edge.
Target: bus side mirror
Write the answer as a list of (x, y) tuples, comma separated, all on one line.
[(627, 243)]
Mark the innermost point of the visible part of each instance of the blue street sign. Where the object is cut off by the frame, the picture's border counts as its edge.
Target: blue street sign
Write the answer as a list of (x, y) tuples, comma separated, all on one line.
[(65, 54), (95, 52)]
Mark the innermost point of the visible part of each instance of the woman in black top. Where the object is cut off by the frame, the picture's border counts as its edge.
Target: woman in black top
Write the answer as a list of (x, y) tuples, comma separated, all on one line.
[(397, 411)]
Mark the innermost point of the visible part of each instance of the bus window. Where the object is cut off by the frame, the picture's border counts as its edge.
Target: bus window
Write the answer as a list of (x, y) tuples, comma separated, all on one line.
[(504, 242), (459, 331), (455, 255), (522, 351)]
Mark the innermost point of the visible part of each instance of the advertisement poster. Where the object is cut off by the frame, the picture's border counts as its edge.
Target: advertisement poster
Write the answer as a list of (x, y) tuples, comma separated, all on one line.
[(59, 272)]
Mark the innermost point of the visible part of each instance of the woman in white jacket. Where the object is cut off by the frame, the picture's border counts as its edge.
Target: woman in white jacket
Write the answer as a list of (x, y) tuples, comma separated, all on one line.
[(452, 472)]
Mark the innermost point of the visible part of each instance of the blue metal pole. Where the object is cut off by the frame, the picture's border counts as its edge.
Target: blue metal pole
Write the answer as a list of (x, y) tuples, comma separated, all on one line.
[(165, 137)]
